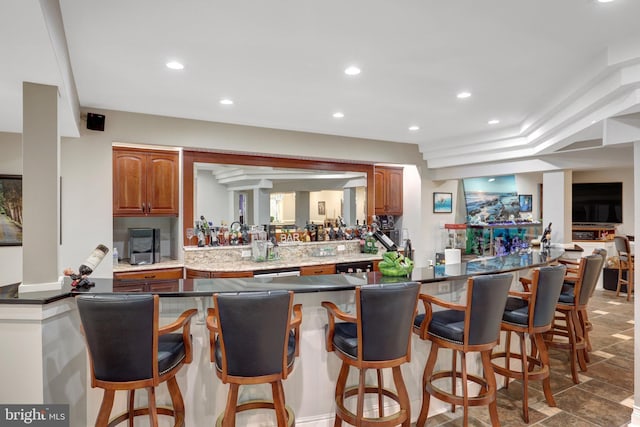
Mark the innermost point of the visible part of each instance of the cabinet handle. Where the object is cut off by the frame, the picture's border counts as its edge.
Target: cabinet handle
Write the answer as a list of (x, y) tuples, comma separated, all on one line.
[(143, 208), (153, 276), (148, 207)]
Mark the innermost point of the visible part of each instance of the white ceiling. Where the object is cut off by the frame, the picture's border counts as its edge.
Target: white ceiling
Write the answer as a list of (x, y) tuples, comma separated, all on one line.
[(282, 62)]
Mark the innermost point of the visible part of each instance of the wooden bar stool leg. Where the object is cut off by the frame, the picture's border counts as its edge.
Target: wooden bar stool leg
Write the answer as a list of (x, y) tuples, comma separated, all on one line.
[(153, 412), (454, 378), (131, 394), (361, 387), (465, 390), (507, 351), (525, 377), (403, 395), (278, 403), (105, 408), (571, 333), (490, 377), (176, 401), (544, 359), (229, 419), (380, 395), (426, 396)]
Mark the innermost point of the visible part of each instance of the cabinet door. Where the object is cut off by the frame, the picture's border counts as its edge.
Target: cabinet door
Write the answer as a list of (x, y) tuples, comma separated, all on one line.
[(197, 274), (129, 183), (162, 184), (314, 270), (379, 187), (231, 274), (160, 274), (394, 191)]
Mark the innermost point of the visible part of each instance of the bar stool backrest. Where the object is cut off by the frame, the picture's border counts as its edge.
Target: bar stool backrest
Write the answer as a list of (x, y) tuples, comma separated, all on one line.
[(592, 268), (623, 247), (550, 280), (488, 299), (387, 313), (253, 330), (119, 330)]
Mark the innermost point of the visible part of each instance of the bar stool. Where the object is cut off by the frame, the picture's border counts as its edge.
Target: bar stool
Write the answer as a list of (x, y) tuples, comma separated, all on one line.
[(464, 328), (129, 351), (378, 336), (254, 339), (626, 261), (570, 279), (530, 312), (567, 324)]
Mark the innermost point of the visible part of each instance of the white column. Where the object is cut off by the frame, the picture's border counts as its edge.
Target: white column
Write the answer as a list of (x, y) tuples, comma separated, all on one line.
[(635, 415), (349, 205), (261, 207), (302, 208), (40, 185), (556, 204)]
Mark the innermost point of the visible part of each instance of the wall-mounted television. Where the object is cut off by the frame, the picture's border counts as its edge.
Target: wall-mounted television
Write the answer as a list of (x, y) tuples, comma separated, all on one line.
[(597, 202)]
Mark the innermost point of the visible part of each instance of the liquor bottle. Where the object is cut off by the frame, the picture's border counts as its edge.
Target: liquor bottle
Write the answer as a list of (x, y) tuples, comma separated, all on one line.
[(93, 260)]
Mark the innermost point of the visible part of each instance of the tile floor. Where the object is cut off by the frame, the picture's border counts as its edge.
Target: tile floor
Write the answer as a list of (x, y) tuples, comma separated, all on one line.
[(604, 396)]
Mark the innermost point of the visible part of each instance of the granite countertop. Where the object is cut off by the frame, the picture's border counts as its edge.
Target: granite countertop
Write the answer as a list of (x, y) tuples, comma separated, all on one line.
[(248, 265), (302, 284), (279, 264)]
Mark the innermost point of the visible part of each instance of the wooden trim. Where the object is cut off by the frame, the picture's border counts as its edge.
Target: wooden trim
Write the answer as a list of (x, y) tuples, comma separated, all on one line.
[(189, 157)]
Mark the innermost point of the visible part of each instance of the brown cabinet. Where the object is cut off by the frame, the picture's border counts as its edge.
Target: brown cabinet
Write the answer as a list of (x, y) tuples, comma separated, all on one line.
[(314, 270), (159, 274), (201, 274), (388, 190), (145, 182), (160, 280)]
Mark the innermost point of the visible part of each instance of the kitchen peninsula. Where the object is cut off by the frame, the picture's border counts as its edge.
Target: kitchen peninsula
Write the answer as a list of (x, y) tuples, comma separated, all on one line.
[(42, 328)]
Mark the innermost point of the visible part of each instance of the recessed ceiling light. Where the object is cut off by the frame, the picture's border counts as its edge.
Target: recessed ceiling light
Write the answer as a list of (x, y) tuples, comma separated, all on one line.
[(414, 128), (493, 121), (491, 179), (352, 71), (338, 115), (226, 101), (605, 1), (463, 95), (175, 65)]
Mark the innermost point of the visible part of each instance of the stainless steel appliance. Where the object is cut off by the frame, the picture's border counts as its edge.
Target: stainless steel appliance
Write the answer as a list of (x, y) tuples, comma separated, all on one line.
[(144, 245)]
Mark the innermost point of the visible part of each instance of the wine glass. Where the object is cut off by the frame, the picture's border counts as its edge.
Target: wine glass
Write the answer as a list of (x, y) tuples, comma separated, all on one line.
[(190, 233)]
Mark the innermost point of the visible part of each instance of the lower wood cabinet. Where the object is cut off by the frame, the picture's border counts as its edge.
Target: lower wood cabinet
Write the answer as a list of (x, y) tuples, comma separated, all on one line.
[(159, 280), (314, 270), (202, 274)]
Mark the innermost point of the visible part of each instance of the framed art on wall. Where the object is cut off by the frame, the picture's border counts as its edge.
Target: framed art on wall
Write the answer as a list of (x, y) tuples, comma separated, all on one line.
[(442, 202), (10, 210), (526, 202)]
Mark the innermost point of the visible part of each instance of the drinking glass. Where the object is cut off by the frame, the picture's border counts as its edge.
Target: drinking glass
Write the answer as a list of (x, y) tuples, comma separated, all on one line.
[(190, 233)]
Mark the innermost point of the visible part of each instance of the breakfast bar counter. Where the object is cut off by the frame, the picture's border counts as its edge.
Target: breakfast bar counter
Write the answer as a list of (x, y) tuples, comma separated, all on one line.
[(41, 330)]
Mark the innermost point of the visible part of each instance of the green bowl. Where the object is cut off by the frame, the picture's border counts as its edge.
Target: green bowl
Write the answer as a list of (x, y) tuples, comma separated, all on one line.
[(396, 272)]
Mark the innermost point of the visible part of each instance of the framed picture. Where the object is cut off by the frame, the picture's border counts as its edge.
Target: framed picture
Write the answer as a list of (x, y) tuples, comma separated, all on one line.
[(442, 202), (11, 210), (321, 208), (526, 202)]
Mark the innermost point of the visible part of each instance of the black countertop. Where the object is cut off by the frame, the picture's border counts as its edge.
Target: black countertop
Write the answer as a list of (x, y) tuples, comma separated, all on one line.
[(298, 284)]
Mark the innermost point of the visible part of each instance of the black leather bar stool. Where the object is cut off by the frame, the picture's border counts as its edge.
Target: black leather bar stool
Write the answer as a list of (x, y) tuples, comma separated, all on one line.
[(626, 260), (377, 336), (254, 339), (129, 351), (463, 328), (568, 331), (530, 312), (569, 280)]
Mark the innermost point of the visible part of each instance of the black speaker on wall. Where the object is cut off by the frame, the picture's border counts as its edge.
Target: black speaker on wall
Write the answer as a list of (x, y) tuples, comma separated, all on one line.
[(95, 121)]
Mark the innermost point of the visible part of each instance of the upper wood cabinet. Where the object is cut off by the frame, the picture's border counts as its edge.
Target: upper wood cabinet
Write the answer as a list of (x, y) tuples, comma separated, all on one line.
[(388, 190), (145, 182)]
